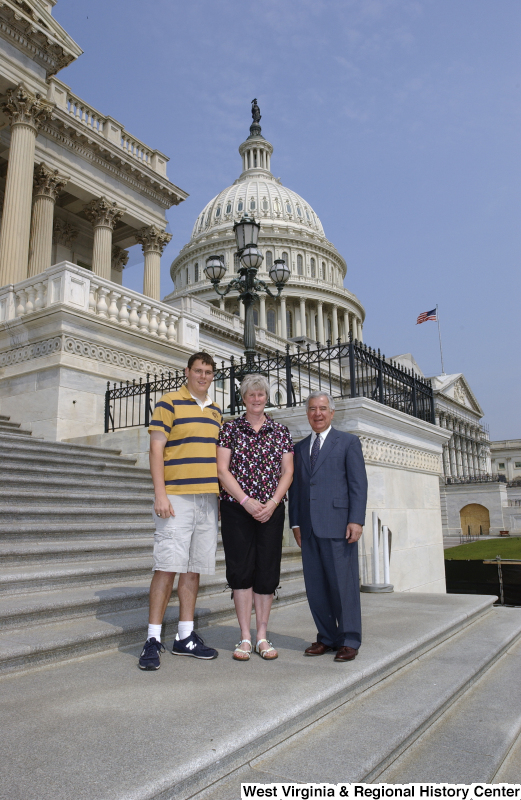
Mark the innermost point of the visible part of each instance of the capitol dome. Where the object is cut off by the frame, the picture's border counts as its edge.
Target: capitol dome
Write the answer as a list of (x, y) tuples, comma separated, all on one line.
[(315, 305)]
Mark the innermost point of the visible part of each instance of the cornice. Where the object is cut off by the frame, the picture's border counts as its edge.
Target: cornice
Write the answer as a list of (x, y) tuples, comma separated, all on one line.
[(112, 160)]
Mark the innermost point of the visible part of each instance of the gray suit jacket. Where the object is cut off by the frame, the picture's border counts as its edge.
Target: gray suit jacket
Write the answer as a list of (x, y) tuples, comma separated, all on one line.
[(335, 493)]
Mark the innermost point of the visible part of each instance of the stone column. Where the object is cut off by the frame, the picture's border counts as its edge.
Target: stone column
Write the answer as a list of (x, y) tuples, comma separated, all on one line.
[(47, 185), (103, 215), (302, 317), (346, 326), (283, 326), (360, 335), (153, 240), (27, 112), (262, 315), (312, 330), (119, 262), (335, 324), (320, 332)]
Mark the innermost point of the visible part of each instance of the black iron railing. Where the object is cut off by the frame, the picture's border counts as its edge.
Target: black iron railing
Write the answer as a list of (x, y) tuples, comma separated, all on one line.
[(350, 369), (481, 477)]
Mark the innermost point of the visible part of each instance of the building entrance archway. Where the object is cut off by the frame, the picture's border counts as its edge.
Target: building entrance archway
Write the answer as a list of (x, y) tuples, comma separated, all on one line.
[(475, 520)]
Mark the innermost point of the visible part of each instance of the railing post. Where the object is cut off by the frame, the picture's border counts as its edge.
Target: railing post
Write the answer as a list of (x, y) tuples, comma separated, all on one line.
[(433, 410), (147, 401), (107, 407), (414, 398), (380, 379), (232, 387), (352, 372), (289, 387)]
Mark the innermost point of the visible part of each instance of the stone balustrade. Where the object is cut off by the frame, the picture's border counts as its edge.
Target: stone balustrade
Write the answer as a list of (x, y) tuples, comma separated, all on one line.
[(76, 287), (87, 117)]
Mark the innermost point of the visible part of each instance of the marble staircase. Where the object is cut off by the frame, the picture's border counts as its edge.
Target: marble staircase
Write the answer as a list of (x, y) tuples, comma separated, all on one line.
[(76, 539)]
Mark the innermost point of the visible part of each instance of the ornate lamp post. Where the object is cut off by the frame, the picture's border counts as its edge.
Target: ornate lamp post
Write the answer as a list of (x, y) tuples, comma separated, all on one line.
[(246, 235)]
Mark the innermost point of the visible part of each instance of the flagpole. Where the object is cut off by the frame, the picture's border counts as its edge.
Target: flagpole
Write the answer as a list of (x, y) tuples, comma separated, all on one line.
[(439, 334)]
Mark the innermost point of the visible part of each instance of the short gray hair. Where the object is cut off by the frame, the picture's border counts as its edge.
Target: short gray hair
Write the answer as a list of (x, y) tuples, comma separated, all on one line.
[(320, 394), (255, 381)]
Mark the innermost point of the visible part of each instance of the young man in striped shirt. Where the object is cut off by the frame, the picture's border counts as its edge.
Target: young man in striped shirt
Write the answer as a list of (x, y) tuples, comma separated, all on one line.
[(183, 431)]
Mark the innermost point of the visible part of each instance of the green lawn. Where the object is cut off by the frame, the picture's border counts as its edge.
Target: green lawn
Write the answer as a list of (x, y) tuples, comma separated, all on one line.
[(478, 551)]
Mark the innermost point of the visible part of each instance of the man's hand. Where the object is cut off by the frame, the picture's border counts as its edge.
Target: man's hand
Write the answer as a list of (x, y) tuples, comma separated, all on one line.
[(353, 532), (298, 537), (163, 508)]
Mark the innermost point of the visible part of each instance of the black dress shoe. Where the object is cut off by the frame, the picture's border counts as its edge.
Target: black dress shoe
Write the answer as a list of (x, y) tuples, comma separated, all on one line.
[(317, 649), (346, 654)]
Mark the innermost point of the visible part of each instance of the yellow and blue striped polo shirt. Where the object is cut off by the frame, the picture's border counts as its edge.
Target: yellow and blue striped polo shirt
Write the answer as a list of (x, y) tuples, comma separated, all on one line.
[(190, 452)]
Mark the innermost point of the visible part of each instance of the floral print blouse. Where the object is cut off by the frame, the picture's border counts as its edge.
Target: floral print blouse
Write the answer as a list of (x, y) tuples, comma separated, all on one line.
[(256, 457)]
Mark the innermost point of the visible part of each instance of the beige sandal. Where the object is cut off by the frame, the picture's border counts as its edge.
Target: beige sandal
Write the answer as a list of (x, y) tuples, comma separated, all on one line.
[(269, 653), (245, 653)]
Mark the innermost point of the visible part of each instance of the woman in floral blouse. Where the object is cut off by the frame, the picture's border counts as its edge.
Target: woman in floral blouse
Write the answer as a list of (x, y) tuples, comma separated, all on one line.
[(255, 467)]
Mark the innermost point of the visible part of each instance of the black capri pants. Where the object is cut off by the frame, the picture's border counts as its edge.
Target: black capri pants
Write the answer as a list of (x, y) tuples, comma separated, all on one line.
[(253, 549)]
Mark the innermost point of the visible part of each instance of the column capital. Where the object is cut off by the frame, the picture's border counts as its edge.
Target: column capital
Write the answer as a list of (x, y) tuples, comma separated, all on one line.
[(25, 108), (103, 213), (48, 182), (119, 258), (153, 239), (63, 233)]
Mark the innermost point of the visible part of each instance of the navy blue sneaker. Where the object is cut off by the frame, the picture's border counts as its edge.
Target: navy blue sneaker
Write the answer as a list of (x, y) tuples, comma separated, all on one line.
[(150, 655), (194, 646)]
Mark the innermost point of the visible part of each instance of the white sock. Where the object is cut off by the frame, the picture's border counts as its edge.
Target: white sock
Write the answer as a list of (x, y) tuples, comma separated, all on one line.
[(154, 631), (185, 629)]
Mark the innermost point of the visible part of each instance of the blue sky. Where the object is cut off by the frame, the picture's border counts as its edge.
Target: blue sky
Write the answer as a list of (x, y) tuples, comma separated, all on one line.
[(398, 120)]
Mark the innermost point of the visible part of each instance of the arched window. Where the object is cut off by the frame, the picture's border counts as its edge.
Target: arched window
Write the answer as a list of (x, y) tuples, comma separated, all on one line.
[(229, 208), (307, 215), (323, 271), (236, 262), (196, 272), (265, 204), (288, 207), (269, 259), (255, 317), (271, 321), (218, 211), (300, 265), (285, 258), (208, 218), (329, 330), (289, 323), (252, 204), (240, 206), (299, 211), (188, 281), (254, 158), (313, 268)]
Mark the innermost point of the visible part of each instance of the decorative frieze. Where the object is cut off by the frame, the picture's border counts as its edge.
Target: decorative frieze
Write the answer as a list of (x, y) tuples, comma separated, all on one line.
[(381, 452)]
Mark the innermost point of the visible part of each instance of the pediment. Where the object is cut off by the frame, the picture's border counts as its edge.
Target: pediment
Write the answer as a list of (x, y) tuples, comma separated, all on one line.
[(457, 389)]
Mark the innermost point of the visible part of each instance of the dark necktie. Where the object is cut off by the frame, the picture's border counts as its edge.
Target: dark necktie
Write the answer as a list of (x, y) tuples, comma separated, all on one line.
[(315, 450)]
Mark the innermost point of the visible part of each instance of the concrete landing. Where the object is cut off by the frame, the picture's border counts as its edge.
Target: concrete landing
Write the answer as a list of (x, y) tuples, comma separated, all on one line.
[(100, 729)]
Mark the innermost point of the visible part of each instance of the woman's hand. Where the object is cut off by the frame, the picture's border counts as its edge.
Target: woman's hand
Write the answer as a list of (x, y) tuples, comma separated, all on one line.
[(266, 511), (163, 508), (253, 507)]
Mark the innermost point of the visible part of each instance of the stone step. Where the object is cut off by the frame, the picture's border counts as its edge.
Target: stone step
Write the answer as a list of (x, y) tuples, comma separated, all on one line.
[(469, 743), (19, 579), (27, 499), (358, 740), (41, 481), (99, 711), (62, 513), (22, 466), (31, 646), (13, 427), (9, 441), (102, 529), (21, 553)]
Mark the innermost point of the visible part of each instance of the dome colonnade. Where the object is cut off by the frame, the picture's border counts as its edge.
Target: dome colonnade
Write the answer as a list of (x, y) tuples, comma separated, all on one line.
[(314, 306)]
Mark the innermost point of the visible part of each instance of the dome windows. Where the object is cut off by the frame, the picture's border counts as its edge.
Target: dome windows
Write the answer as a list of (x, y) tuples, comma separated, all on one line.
[(288, 207), (300, 265), (253, 204), (323, 271), (269, 259), (271, 321), (208, 218), (277, 206), (228, 208), (196, 272), (299, 211), (218, 212), (240, 206), (313, 268), (307, 215), (285, 258), (265, 204)]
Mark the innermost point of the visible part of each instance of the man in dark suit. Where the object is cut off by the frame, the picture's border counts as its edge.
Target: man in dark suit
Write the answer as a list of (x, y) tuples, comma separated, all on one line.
[(327, 502)]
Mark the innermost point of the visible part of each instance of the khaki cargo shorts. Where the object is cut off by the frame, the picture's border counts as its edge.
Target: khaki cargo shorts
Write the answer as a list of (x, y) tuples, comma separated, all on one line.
[(188, 541)]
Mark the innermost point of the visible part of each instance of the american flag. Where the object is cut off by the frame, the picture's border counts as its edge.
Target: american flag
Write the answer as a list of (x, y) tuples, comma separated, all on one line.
[(426, 315)]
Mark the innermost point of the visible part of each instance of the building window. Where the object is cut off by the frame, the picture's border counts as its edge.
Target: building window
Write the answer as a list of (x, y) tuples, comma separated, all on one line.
[(288, 208), (255, 317), (240, 206), (252, 204), (323, 271), (517, 464), (285, 258), (299, 211), (271, 321), (269, 259), (313, 268), (276, 203), (265, 205), (254, 158), (300, 265), (188, 280), (501, 465), (236, 262), (218, 211), (329, 330), (196, 272), (289, 323), (229, 208), (307, 215)]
